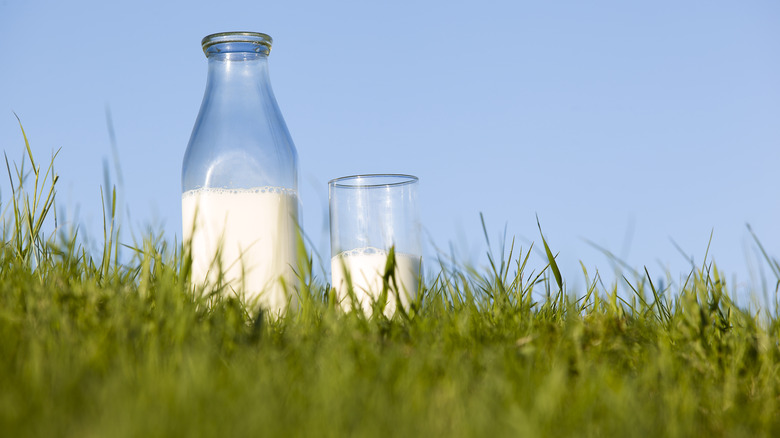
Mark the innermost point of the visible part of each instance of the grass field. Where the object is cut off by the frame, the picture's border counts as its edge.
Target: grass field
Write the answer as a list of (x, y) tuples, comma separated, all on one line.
[(93, 347)]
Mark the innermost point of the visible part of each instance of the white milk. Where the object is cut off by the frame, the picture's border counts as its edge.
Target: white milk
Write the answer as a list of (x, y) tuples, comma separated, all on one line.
[(256, 231), (366, 267)]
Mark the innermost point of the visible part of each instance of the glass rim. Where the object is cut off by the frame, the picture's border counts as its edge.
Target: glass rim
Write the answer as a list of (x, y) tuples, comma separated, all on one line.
[(256, 38), (344, 181)]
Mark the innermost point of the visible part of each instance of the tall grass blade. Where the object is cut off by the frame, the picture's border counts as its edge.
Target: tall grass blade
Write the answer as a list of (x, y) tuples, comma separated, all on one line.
[(550, 258)]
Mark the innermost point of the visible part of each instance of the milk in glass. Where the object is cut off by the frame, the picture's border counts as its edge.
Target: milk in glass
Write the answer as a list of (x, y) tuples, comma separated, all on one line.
[(366, 267)]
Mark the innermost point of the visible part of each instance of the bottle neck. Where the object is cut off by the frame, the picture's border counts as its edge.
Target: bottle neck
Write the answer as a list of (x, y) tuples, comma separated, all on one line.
[(240, 71), (237, 59)]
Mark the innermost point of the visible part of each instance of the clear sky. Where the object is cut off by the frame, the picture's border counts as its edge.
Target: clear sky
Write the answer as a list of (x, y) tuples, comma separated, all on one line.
[(628, 124)]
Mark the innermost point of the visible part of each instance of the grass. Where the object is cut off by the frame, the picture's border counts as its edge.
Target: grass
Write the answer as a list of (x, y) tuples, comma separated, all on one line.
[(94, 347)]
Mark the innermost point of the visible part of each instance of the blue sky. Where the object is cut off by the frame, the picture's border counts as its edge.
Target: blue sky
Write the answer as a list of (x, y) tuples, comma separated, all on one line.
[(627, 124)]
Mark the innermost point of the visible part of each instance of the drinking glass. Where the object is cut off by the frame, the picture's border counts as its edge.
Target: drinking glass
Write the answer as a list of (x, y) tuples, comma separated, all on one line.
[(376, 254)]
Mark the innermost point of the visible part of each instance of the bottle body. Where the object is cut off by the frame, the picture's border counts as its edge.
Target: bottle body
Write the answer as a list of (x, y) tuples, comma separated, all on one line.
[(239, 179)]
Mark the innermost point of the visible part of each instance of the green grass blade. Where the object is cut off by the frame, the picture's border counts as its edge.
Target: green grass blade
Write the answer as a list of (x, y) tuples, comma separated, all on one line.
[(550, 257)]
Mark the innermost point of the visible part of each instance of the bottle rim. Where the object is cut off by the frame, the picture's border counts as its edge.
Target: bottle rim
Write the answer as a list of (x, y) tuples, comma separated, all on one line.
[(257, 42), (374, 180)]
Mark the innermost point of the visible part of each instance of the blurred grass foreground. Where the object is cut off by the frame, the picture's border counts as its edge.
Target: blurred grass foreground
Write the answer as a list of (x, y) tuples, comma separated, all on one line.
[(90, 347)]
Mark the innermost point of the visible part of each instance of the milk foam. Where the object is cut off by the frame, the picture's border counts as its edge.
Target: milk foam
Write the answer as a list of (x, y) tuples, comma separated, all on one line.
[(250, 235), (366, 267)]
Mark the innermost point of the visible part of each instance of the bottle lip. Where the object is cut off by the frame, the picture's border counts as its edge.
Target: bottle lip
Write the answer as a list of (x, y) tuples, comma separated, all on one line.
[(368, 181), (231, 42)]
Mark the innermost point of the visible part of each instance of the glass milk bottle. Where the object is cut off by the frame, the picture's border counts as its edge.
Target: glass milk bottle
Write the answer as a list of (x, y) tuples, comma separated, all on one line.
[(240, 179)]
